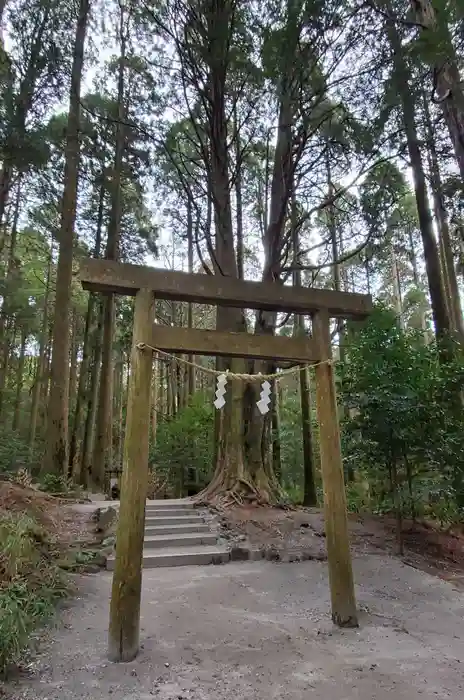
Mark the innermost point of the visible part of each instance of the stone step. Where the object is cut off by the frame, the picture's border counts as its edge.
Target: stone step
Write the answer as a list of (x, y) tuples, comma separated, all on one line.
[(154, 530), (170, 512), (185, 556), (169, 505), (152, 521), (191, 539)]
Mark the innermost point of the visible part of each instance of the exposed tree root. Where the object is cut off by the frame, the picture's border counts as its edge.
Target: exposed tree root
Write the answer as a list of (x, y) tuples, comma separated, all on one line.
[(221, 493)]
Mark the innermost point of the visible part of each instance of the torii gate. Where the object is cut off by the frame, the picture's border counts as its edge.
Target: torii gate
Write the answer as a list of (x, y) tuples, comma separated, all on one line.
[(146, 283)]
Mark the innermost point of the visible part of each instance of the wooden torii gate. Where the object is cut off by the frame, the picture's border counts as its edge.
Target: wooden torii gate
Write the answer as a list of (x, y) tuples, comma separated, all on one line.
[(146, 284)]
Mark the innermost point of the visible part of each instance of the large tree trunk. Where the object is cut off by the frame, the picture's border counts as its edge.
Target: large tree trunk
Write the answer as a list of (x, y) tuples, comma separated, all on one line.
[(441, 217), (257, 427), (448, 85), (432, 260), (55, 458), (231, 477)]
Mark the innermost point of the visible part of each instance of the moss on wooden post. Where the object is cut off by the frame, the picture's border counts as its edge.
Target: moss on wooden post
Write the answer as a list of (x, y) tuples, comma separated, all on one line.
[(123, 642), (342, 594)]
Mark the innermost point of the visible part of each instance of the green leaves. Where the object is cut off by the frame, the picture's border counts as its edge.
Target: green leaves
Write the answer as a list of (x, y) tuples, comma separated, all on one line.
[(405, 412)]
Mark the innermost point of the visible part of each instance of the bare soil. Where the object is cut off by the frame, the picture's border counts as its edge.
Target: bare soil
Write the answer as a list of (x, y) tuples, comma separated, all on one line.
[(57, 516), (302, 530)]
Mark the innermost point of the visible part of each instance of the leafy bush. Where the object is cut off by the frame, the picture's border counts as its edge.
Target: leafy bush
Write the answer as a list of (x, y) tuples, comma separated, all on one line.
[(184, 446), (406, 428), (30, 584), (53, 483), (14, 452)]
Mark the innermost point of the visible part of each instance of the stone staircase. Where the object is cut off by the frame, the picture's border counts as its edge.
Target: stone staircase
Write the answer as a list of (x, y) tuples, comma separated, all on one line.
[(176, 534)]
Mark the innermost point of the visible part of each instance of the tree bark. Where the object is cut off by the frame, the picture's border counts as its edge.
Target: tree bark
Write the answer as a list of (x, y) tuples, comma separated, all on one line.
[(86, 350), (190, 358), (102, 456), (74, 351), (36, 391), (55, 458), (309, 485), (94, 383), (276, 444), (12, 266), (441, 217), (448, 86), (432, 260), (19, 382)]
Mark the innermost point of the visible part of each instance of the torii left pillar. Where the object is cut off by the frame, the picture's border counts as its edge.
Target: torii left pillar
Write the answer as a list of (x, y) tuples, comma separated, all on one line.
[(124, 629)]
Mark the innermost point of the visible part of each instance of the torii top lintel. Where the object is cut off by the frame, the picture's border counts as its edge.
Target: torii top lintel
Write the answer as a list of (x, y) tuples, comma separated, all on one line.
[(122, 278)]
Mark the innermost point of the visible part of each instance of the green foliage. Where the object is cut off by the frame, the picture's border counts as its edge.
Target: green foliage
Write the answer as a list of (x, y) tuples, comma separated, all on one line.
[(14, 451), (291, 446), (184, 446), (406, 426), (30, 584), (53, 483)]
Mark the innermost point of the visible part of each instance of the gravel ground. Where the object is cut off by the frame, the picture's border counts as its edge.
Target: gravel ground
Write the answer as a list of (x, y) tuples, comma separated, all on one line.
[(260, 631)]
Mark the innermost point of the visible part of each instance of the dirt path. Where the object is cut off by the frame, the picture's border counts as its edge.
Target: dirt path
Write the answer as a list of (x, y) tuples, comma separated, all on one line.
[(290, 534), (261, 631)]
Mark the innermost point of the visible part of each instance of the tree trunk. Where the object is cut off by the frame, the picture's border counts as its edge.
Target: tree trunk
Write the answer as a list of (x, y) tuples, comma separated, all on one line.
[(102, 456), (118, 404), (309, 485), (36, 390), (74, 351), (89, 331), (397, 299), (94, 383), (441, 217), (11, 273), (83, 377), (448, 86), (190, 358), (238, 197), (432, 260), (55, 458), (155, 396), (46, 381), (276, 444), (19, 382)]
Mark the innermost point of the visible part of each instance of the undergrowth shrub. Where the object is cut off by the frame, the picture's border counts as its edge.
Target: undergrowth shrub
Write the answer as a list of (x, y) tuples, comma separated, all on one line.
[(184, 445), (404, 427), (31, 583), (15, 453)]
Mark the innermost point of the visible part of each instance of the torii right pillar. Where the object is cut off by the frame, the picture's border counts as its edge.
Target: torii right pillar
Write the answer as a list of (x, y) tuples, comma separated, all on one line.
[(344, 613)]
